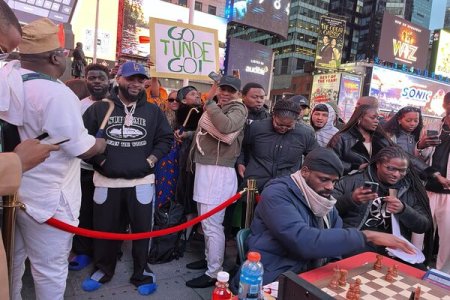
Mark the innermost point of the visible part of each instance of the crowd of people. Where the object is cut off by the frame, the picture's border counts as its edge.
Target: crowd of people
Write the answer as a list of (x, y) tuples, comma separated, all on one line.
[(128, 146)]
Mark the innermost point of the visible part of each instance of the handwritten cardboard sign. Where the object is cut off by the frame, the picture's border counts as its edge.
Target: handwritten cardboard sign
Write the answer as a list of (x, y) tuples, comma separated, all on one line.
[(181, 50)]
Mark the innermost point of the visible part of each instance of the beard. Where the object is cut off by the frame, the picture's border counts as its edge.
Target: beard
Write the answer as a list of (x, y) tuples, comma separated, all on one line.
[(132, 98), (96, 94)]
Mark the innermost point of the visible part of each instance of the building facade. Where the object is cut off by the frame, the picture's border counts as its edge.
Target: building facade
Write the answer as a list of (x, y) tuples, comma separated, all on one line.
[(212, 7)]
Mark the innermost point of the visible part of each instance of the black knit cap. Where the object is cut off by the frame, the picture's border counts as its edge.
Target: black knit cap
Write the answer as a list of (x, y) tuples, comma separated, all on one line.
[(181, 94), (286, 105), (324, 160)]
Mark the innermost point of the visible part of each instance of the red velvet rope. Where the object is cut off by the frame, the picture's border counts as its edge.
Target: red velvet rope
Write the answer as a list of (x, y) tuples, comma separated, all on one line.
[(141, 235)]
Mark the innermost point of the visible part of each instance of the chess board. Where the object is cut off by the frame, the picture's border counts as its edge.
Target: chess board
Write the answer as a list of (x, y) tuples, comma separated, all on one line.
[(375, 287)]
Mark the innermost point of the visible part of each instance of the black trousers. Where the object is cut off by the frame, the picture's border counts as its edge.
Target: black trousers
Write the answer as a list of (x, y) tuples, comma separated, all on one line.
[(84, 245), (120, 208)]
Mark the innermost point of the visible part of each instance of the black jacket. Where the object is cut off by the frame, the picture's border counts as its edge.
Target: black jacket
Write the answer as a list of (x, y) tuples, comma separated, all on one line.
[(416, 216), (257, 114), (128, 148), (271, 154)]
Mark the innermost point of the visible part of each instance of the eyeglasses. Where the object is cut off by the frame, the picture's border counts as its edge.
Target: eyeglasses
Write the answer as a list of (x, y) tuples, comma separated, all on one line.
[(3, 54), (64, 52), (171, 100), (392, 169)]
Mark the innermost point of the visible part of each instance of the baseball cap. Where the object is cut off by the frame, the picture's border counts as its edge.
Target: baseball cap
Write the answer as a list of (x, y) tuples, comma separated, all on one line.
[(232, 81), (300, 100), (131, 68)]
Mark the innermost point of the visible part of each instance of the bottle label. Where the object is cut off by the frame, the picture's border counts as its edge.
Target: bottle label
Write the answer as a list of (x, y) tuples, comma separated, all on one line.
[(249, 291)]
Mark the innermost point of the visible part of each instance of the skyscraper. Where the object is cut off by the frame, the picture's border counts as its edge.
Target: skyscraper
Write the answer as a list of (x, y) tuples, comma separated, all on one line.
[(428, 13)]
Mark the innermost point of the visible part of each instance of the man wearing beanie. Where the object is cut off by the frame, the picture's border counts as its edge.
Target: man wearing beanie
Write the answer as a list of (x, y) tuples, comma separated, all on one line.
[(40, 103), (296, 226)]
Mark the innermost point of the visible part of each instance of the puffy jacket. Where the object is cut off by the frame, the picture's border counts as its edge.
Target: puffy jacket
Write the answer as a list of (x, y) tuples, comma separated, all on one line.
[(288, 236), (416, 216), (271, 154)]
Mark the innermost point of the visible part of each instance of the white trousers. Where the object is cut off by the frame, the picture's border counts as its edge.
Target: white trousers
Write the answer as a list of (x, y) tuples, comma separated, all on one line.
[(440, 210), (48, 249), (212, 186)]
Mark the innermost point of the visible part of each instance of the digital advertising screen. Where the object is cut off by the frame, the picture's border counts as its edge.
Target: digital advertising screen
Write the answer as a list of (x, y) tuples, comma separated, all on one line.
[(267, 15), (329, 43), (59, 11), (325, 88), (253, 66), (349, 92), (403, 42), (395, 90), (440, 60)]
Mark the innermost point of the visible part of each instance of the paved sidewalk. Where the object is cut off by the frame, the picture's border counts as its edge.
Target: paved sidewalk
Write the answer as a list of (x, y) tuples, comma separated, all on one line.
[(170, 277)]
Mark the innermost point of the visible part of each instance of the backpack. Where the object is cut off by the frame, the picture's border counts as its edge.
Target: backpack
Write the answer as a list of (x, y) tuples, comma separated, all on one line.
[(167, 247)]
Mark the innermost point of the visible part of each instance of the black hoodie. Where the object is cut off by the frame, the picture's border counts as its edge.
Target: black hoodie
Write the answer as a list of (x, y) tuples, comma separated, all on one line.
[(128, 148)]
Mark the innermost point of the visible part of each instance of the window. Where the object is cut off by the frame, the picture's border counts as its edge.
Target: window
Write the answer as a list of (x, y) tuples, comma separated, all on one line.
[(212, 10), (198, 6), (182, 2)]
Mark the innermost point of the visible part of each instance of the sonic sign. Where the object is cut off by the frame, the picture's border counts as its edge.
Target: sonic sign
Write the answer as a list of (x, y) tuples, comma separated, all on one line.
[(403, 42)]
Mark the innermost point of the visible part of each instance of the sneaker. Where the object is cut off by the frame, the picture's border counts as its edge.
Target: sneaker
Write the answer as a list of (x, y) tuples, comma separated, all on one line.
[(197, 265), (200, 282)]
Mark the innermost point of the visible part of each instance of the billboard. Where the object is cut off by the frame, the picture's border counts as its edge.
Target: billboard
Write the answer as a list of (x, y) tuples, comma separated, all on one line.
[(135, 29), (329, 43), (181, 50), (253, 66), (403, 42), (325, 88), (349, 92), (271, 16), (396, 89), (58, 11), (440, 62)]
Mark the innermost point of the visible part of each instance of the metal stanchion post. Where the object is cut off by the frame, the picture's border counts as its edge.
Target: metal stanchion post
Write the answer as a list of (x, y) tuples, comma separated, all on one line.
[(250, 205), (10, 204)]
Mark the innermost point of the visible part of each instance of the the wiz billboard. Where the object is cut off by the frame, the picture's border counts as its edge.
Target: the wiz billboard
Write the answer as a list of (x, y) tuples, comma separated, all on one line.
[(267, 15), (402, 42)]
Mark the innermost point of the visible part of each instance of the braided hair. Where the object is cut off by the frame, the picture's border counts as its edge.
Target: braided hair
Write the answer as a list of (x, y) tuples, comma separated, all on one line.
[(416, 187)]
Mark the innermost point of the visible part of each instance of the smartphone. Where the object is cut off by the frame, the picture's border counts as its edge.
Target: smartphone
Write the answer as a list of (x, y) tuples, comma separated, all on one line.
[(214, 76), (373, 186), (432, 133), (56, 141), (236, 73)]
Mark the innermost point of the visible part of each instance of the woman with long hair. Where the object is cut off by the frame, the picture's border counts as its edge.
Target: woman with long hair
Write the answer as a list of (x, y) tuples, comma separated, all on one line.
[(404, 128), (360, 139)]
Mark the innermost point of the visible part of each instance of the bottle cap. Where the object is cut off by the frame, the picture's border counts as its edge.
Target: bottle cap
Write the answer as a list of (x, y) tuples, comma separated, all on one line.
[(223, 276), (254, 256)]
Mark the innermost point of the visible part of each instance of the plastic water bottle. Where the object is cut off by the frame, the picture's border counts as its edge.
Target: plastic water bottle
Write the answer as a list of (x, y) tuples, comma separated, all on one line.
[(250, 284), (221, 292)]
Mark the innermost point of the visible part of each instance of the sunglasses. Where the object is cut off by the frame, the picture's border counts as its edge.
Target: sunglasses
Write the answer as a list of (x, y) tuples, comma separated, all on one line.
[(3, 53), (171, 100)]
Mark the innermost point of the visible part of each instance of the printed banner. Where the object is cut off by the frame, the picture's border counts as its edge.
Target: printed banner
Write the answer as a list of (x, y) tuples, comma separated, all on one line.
[(325, 88), (329, 43), (403, 42), (441, 60), (395, 90), (349, 92), (181, 51)]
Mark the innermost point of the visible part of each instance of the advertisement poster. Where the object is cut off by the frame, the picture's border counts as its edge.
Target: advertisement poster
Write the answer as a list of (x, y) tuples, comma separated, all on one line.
[(325, 88), (181, 51), (329, 43), (271, 16), (403, 42), (396, 90), (253, 66), (349, 92), (441, 47)]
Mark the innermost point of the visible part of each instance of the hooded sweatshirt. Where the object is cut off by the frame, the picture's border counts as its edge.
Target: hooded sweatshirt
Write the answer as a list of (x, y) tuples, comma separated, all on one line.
[(128, 147), (324, 134)]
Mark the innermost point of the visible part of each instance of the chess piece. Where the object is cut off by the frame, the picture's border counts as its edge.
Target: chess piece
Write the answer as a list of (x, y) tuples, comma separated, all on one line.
[(395, 271), (334, 281), (377, 266), (389, 276), (351, 295), (342, 278), (417, 293), (357, 288)]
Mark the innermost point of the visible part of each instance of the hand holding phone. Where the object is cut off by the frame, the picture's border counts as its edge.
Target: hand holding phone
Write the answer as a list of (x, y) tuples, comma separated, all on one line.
[(373, 186), (214, 76), (365, 193)]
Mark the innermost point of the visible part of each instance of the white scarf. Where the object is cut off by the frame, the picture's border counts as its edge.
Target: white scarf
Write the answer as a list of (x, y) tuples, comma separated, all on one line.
[(320, 206)]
